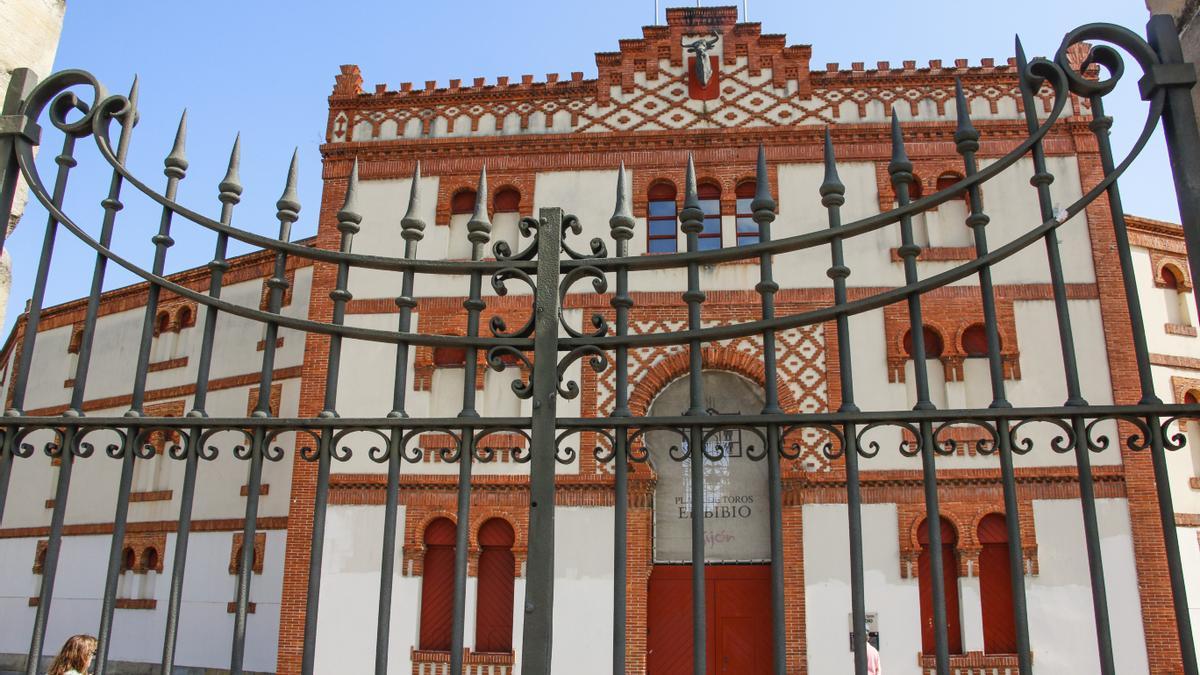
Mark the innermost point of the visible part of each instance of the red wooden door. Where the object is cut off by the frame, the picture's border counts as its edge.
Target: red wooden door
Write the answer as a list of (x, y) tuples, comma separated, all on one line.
[(949, 582), (738, 618), (437, 586), (995, 587), (497, 571)]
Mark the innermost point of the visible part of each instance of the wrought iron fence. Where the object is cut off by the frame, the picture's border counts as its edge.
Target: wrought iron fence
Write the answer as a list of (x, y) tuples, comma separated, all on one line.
[(546, 346)]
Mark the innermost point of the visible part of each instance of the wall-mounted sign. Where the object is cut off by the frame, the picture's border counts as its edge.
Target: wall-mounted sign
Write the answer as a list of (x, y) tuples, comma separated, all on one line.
[(735, 508)]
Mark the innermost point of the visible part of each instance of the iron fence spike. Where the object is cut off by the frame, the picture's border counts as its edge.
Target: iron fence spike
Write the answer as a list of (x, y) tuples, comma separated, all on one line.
[(478, 227), (622, 221), (965, 131), (349, 211), (691, 198), (762, 184), (900, 162), (177, 159), (833, 182), (411, 224), (289, 203), (231, 184)]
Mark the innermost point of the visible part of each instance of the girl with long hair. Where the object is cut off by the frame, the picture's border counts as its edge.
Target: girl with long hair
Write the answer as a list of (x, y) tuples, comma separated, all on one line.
[(75, 657)]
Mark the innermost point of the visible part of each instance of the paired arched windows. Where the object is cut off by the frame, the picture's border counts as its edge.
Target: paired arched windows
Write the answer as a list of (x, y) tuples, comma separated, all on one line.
[(662, 213), (495, 589), (949, 582)]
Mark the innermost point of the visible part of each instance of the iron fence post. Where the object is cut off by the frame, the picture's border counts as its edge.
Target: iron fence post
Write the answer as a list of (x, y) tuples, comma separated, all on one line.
[(539, 575), (1180, 129), (12, 124)]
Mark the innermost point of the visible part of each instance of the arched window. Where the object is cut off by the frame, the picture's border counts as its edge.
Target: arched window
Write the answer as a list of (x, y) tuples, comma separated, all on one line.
[(915, 190), (933, 343), (128, 559), (710, 204), (1193, 432), (747, 229), (660, 219), (185, 317), (934, 371), (449, 357), (463, 201), (949, 582), (497, 575), (507, 200), (162, 323), (950, 178), (976, 370), (437, 586), (1176, 301), (150, 559), (974, 341), (995, 586)]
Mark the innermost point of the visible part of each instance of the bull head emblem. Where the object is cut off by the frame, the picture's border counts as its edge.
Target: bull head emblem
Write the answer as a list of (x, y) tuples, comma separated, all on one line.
[(701, 48)]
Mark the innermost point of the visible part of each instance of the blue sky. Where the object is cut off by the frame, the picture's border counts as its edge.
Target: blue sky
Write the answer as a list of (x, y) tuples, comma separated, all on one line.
[(265, 67)]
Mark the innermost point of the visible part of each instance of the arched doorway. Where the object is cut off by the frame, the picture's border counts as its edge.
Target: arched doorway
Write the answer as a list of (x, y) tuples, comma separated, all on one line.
[(736, 533)]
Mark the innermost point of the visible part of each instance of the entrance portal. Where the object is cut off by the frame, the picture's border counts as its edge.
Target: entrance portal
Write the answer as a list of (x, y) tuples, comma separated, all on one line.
[(737, 539), (738, 604)]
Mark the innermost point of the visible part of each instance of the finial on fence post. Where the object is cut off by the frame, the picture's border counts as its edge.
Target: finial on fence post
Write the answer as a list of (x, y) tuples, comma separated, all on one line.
[(230, 187), (622, 221), (832, 189), (289, 203), (412, 228), (965, 135), (762, 185), (176, 162), (691, 218), (348, 216), (900, 167), (479, 228)]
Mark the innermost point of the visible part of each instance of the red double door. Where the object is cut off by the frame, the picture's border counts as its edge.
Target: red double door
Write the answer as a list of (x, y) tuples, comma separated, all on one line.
[(738, 609)]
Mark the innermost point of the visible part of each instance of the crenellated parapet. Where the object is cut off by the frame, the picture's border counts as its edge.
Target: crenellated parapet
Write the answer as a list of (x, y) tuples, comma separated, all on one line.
[(654, 84)]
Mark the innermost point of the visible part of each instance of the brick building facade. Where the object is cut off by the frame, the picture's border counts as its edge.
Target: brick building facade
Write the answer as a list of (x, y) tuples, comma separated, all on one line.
[(558, 142)]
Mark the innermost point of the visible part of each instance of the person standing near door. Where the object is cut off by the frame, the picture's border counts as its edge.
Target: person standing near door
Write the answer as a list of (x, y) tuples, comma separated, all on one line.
[(874, 664)]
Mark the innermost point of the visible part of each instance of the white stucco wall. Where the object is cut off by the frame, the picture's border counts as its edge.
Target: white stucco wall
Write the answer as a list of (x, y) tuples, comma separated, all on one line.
[(1058, 598)]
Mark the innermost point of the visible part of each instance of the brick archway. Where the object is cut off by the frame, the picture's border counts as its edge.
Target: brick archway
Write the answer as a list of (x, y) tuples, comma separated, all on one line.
[(656, 378)]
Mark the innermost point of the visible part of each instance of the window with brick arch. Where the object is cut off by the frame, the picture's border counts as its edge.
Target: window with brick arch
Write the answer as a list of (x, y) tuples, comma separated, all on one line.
[(437, 586), (497, 577), (1193, 432), (920, 225), (506, 216), (976, 369), (947, 225), (661, 226), (948, 179), (949, 582), (710, 204), (995, 586), (747, 229), (507, 200), (462, 202), (449, 378), (1174, 297), (935, 372)]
